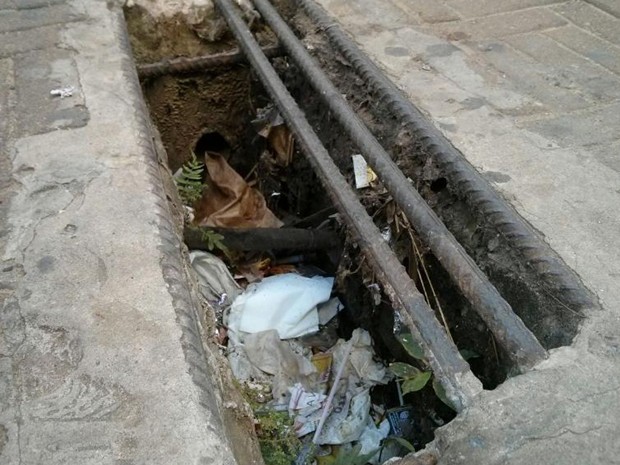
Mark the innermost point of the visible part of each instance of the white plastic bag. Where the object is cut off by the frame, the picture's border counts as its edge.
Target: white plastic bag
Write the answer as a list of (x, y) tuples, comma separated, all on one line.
[(216, 283), (286, 303)]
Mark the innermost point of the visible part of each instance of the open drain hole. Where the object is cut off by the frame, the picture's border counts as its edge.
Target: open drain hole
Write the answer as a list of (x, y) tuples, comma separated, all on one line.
[(248, 141), (211, 141), (294, 194)]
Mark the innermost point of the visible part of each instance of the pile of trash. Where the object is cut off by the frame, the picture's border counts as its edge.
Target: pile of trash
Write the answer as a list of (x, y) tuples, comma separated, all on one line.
[(278, 320), (280, 337)]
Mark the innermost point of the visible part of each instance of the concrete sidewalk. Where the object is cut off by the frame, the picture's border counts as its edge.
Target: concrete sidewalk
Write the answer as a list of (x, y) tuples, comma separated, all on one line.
[(101, 359), (529, 91)]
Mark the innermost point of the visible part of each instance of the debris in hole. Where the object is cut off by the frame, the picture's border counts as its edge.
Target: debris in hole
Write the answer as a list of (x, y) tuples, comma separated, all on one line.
[(270, 125), (216, 283), (364, 175), (229, 202), (286, 303), (287, 376)]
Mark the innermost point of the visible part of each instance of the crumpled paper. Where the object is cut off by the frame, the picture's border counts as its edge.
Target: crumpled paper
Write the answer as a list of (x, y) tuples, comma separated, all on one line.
[(229, 202), (362, 367), (286, 362)]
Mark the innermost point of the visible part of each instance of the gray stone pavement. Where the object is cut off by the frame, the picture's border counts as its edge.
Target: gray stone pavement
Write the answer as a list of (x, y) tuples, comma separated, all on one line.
[(101, 360), (529, 91)]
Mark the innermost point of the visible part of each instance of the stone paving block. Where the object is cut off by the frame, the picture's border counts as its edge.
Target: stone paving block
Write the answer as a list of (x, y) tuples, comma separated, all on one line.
[(30, 4), (591, 19), (19, 20), (6, 78), (366, 15), (478, 8), (30, 39), (27, 4), (608, 155), (428, 11), (384, 14), (7, 5), (36, 74), (534, 79), (573, 70), (609, 6), (596, 127), (588, 45), (501, 25)]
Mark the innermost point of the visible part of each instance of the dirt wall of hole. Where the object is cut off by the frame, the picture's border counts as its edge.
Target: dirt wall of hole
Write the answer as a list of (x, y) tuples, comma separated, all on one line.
[(184, 108)]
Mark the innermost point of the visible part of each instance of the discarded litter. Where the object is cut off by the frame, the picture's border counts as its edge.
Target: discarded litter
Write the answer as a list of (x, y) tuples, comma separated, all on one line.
[(329, 310), (279, 324), (371, 438), (286, 362), (228, 201), (306, 384), (216, 283), (270, 125), (63, 92), (285, 302), (401, 420), (364, 175)]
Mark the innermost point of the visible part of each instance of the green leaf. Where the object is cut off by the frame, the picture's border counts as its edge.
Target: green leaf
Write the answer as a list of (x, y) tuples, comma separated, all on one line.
[(468, 354), (402, 441), (403, 370), (214, 240), (411, 346), (416, 383), (441, 393), (353, 456), (189, 182)]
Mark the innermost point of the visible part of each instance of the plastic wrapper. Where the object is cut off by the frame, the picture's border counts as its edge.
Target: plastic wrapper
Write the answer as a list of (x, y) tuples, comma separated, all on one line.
[(286, 303)]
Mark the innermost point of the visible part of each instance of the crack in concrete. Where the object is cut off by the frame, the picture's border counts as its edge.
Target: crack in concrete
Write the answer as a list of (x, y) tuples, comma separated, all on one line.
[(563, 431), (594, 394)]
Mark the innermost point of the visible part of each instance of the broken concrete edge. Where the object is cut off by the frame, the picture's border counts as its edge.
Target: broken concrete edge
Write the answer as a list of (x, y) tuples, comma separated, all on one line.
[(200, 16), (208, 369)]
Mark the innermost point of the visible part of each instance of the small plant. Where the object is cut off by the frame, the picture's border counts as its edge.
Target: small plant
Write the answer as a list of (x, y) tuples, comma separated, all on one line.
[(354, 456), (278, 442), (189, 181), (413, 379), (214, 240), (276, 436)]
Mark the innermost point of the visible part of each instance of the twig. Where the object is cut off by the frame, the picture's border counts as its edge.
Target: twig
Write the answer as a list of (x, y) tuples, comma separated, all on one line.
[(494, 349), (399, 391), (430, 283), (332, 393), (251, 172)]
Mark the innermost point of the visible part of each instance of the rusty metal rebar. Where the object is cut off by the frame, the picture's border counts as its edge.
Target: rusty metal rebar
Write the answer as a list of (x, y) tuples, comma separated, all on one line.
[(509, 330), (200, 63), (565, 284), (443, 356)]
